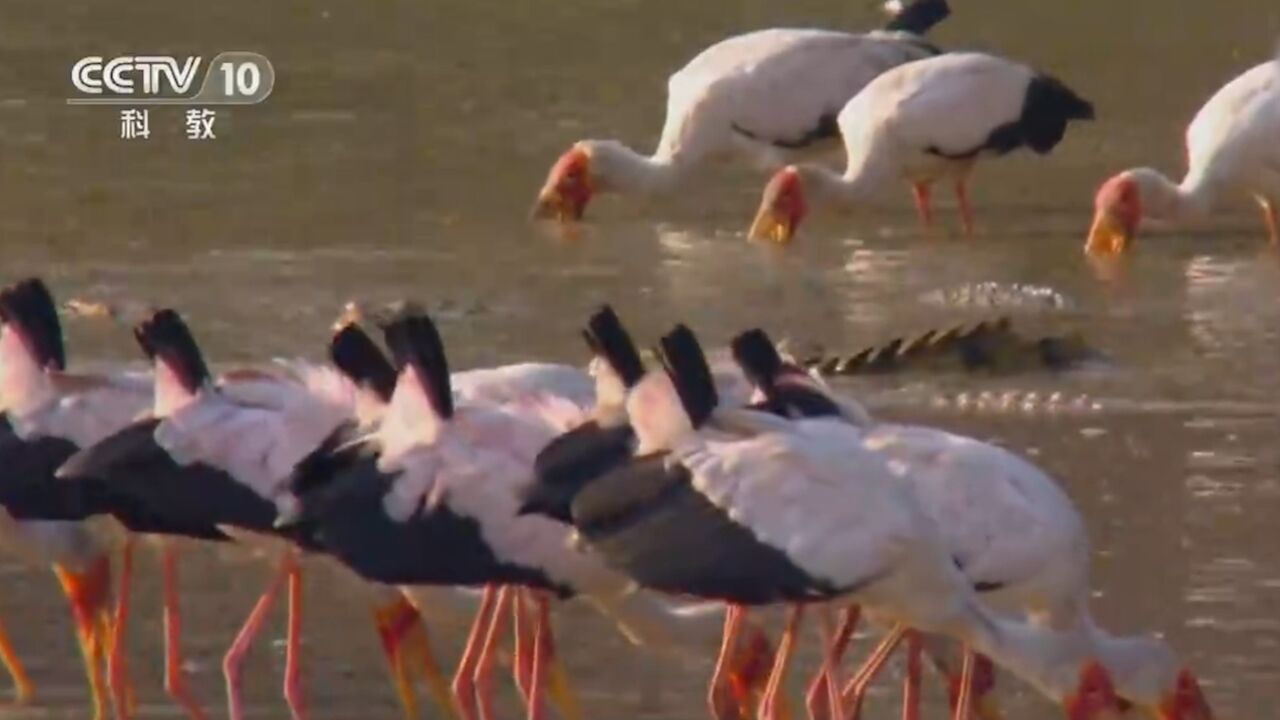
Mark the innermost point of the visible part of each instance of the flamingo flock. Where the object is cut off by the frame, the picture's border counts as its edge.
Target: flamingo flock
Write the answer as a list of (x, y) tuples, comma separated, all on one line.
[(629, 486)]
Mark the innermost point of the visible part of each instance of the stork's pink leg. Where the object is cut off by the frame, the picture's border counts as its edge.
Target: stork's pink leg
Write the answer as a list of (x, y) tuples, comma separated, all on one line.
[(293, 641), (966, 212), (405, 641), (965, 700), (523, 661), (733, 616), (464, 679), (558, 688), (981, 683), (769, 704), (89, 591), (174, 680), (393, 623), (542, 656), (920, 193), (822, 684), (22, 687), (117, 670), (911, 680), (831, 665), (1271, 216), (484, 668), (855, 690), (234, 659)]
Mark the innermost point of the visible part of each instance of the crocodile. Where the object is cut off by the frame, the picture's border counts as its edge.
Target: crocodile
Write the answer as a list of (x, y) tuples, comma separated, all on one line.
[(989, 346)]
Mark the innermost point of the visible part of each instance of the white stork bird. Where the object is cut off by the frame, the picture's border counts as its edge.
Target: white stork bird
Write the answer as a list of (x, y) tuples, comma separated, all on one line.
[(1233, 145), (603, 442), (48, 413), (922, 122), (764, 94), (810, 490), (219, 453), (1012, 531), (435, 499)]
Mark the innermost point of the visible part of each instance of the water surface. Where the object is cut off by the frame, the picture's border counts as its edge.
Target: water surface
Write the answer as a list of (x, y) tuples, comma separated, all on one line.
[(397, 158)]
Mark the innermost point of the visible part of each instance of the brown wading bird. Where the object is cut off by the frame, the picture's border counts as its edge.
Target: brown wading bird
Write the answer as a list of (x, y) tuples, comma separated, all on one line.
[(1232, 148), (767, 95), (922, 122)]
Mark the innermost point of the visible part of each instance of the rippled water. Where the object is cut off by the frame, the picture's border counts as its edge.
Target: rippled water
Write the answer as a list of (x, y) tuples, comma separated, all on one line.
[(400, 152)]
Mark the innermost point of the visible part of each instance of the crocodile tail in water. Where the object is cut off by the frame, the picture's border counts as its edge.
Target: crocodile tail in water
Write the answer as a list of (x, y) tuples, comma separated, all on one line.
[(988, 346)]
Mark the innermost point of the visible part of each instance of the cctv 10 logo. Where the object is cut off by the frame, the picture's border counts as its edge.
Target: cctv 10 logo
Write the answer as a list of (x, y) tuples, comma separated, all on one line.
[(232, 78)]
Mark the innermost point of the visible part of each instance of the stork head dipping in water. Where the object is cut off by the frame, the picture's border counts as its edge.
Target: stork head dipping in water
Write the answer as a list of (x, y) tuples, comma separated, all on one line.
[(782, 207), (568, 188), (1118, 209)]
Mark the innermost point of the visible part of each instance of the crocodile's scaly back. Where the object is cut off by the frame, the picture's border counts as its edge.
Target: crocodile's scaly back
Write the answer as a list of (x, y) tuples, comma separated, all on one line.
[(989, 346)]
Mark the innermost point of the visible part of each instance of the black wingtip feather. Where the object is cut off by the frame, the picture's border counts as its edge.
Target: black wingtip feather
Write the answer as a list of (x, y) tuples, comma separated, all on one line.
[(610, 340), (354, 353), (166, 336), (919, 17), (1048, 107), (29, 305), (687, 366), (414, 339), (756, 354)]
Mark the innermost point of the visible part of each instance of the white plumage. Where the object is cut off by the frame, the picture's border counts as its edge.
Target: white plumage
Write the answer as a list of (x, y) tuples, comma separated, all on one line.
[(1005, 521), (921, 122), (43, 402), (781, 486), (1233, 146), (256, 430), (763, 94), (1011, 527), (477, 461), (82, 409), (40, 401), (507, 383), (771, 89), (810, 488)]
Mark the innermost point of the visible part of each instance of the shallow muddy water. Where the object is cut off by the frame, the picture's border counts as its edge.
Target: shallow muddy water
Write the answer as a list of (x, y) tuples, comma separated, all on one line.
[(398, 157)]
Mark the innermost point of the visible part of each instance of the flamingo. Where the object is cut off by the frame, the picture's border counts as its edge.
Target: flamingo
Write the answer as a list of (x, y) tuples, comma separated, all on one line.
[(1231, 147), (922, 122)]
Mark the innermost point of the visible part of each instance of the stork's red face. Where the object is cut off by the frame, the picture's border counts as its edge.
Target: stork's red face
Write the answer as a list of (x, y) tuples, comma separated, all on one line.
[(782, 208), (1094, 697), (1186, 701), (568, 189), (1117, 215)]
